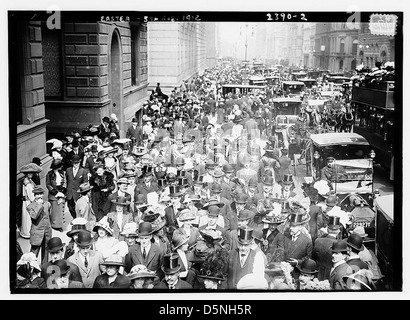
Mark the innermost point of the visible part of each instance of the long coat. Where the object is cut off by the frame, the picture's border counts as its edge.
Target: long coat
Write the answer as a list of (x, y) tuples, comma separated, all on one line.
[(84, 210), (235, 271), (153, 260), (40, 222), (57, 209), (93, 271), (336, 276), (142, 188), (73, 183), (323, 256)]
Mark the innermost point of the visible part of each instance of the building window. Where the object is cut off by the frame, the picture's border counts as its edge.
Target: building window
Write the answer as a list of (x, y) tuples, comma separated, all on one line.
[(134, 54), (383, 56), (341, 65), (51, 41), (354, 47), (342, 46)]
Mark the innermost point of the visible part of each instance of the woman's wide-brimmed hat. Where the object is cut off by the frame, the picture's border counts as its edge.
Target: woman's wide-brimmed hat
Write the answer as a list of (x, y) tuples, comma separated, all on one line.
[(140, 271), (158, 224), (31, 168), (212, 203), (122, 201), (186, 214), (308, 266), (104, 224), (30, 258), (85, 187), (178, 239), (84, 238), (113, 260), (170, 263), (38, 190)]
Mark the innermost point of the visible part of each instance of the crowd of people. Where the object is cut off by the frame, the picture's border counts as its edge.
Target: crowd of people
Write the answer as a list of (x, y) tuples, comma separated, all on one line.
[(188, 200)]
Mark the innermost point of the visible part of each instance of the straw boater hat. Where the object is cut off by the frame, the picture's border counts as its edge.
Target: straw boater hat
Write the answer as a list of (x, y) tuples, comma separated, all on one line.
[(113, 260), (186, 214), (360, 231), (84, 188)]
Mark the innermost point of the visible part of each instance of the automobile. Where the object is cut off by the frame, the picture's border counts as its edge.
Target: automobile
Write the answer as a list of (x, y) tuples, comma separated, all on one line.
[(293, 88)]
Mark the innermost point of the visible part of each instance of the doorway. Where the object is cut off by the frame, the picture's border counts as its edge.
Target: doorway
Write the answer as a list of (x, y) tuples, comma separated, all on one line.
[(115, 87)]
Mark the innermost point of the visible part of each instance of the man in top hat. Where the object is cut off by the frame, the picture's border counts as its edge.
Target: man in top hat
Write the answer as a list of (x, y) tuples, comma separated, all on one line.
[(212, 223), (287, 186), (354, 247), (112, 278), (87, 260), (55, 248), (134, 132), (171, 270), (239, 203), (75, 177), (122, 184), (340, 267), (245, 219), (41, 231), (244, 260), (145, 252), (83, 208), (321, 250), (298, 246)]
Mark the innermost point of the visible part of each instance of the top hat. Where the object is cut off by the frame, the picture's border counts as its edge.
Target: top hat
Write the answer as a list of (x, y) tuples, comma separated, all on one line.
[(113, 260), (331, 200), (198, 179), (122, 201), (308, 266), (245, 235), (54, 244), (181, 173), (161, 182), (296, 218), (38, 190), (31, 168), (147, 170), (339, 246), (63, 266), (85, 187), (334, 223), (170, 263), (174, 191), (178, 239), (145, 229), (183, 182), (355, 241), (84, 238), (287, 179)]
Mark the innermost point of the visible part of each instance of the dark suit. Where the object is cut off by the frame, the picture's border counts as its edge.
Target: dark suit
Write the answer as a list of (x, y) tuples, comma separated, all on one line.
[(235, 271), (299, 249), (336, 276), (323, 256), (73, 184), (134, 133), (181, 284), (142, 188), (47, 269), (90, 162), (153, 260), (171, 222), (90, 273), (356, 264)]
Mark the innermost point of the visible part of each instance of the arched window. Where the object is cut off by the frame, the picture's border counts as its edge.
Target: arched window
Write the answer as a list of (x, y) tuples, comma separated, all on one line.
[(383, 56), (354, 46), (341, 64), (353, 64), (361, 56)]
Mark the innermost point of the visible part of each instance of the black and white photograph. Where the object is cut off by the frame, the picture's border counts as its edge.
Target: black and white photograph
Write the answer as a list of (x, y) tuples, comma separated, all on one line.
[(204, 152)]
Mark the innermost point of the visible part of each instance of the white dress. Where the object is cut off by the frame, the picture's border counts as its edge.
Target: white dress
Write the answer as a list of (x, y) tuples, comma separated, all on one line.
[(28, 197)]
